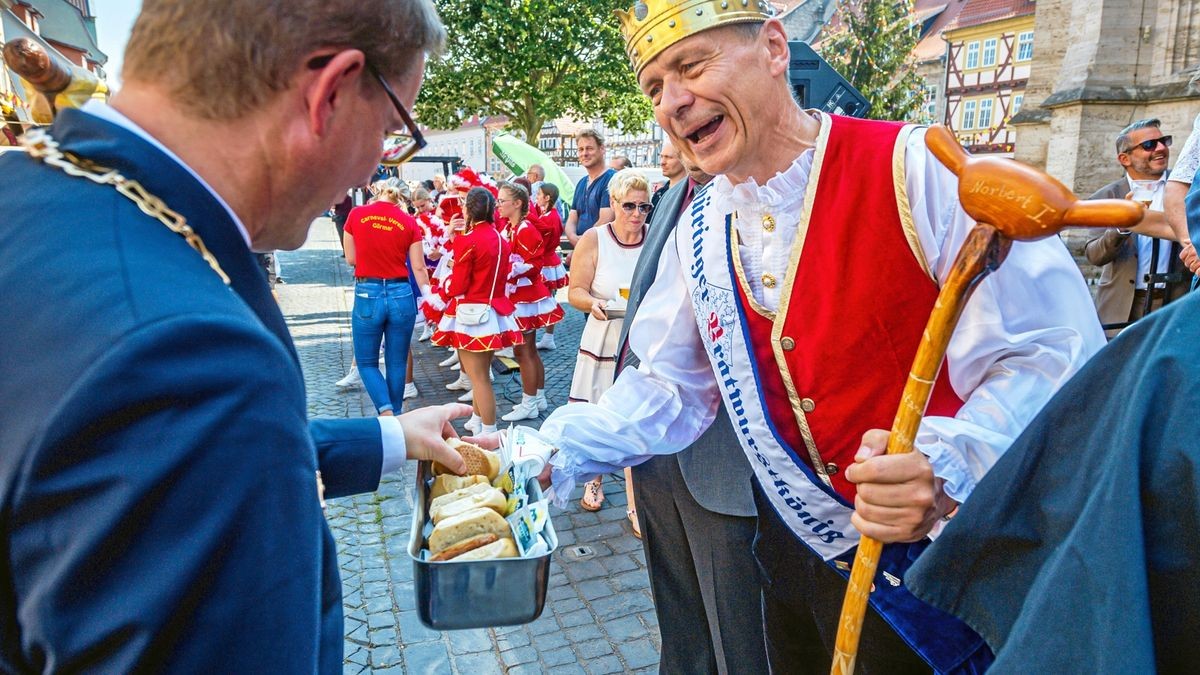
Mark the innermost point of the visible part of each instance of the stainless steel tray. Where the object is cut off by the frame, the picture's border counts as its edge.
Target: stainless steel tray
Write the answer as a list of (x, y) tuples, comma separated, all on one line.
[(476, 593)]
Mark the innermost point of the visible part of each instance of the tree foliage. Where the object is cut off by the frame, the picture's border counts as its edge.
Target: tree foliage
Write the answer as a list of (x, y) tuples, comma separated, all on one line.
[(871, 45), (532, 61)]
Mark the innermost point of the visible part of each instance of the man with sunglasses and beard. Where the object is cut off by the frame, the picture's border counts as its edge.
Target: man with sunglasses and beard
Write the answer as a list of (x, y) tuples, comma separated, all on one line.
[(1125, 295), (161, 483)]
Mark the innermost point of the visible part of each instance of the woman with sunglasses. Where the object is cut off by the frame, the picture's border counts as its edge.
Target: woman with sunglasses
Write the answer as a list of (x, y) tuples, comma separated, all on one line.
[(601, 269), (477, 292), (536, 307), (382, 242)]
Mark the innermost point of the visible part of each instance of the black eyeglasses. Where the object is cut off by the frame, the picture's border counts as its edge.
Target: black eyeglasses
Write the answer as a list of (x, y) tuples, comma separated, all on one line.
[(1151, 144), (399, 145), (628, 207)]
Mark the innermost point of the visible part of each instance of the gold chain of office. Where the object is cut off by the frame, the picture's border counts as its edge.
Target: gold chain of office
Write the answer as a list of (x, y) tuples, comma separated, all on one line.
[(41, 146)]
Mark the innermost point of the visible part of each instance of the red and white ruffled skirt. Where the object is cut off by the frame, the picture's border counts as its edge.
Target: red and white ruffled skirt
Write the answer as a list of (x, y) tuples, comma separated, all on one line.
[(497, 332), (539, 314), (555, 276)]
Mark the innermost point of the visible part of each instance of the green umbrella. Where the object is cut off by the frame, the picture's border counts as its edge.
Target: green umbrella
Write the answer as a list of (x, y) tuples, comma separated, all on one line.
[(517, 155)]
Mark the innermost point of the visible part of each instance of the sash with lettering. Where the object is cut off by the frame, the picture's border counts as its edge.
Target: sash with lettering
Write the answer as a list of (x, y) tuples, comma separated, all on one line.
[(813, 510)]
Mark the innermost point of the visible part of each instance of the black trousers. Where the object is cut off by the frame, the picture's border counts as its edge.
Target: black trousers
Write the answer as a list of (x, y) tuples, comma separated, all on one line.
[(702, 576), (802, 600)]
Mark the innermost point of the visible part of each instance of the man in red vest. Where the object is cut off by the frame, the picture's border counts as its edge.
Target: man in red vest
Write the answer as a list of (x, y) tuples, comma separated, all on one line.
[(794, 291)]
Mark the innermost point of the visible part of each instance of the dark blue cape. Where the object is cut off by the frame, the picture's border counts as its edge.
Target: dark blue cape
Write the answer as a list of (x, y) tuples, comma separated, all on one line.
[(1079, 552), (157, 470)]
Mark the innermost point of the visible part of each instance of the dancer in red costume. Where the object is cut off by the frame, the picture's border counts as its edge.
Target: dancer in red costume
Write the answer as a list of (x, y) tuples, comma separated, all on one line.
[(479, 275), (535, 305)]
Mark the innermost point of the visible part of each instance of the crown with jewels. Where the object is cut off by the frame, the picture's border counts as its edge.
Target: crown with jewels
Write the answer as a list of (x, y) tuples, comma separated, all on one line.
[(650, 26)]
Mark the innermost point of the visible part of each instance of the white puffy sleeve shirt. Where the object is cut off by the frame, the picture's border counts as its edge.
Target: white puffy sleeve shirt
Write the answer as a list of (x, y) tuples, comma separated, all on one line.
[(1028, 328)]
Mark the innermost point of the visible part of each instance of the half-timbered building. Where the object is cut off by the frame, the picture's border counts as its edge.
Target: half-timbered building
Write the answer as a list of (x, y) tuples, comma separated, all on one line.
[(989, 53)]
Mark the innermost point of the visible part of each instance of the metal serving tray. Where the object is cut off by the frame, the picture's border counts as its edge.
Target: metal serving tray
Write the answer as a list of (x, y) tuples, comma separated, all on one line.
[(476, 593)]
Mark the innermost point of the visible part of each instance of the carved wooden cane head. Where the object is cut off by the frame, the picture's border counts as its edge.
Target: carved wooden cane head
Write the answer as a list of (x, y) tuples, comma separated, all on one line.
[(29, 60), (1021, 202)]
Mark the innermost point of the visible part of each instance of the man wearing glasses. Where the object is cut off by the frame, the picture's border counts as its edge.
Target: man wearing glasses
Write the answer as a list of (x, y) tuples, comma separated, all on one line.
[(1126, 293), (161, 483)]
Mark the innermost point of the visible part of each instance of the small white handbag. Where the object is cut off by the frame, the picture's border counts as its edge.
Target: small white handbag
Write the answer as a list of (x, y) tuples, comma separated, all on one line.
[(478, 313)]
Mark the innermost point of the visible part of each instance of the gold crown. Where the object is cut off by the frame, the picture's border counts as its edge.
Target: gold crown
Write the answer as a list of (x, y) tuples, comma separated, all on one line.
[(650, 26)]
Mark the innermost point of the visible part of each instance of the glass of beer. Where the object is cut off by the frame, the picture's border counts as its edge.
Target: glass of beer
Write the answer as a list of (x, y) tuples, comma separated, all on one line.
[(624, 293), (1143, 191)]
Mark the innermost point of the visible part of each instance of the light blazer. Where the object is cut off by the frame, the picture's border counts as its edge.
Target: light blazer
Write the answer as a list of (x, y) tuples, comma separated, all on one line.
[(1116, 254), (157, 467), (714, 467)]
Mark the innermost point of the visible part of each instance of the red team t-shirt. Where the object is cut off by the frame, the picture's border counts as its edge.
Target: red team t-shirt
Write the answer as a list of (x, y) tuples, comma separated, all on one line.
[(382, 234)]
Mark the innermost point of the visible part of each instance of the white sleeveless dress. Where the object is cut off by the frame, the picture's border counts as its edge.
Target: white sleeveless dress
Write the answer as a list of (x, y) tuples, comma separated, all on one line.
[(596, 363)]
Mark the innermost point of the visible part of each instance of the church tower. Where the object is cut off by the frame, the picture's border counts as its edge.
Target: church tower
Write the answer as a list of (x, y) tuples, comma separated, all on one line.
[(1099, 65)]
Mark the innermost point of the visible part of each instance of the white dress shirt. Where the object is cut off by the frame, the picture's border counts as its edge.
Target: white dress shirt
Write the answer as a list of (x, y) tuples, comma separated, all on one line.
[(1028, 328), (395, 451)]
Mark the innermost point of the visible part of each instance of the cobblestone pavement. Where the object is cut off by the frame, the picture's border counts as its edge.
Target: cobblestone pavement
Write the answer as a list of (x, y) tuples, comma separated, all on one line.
[(598, 618)]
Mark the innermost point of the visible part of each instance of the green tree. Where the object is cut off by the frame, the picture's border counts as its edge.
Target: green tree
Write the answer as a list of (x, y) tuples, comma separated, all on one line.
[(532, 61), (871, 44)]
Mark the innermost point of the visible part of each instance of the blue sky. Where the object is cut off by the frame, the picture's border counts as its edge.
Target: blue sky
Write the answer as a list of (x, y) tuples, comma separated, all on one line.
[(114, 19)]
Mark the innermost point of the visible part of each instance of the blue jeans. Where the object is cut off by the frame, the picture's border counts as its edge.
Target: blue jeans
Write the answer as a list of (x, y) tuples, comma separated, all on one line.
[(384, 312)]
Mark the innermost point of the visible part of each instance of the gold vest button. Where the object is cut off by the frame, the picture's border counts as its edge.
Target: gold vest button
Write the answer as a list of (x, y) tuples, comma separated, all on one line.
[(788, 344), (831, 468), (768, 281), (768, 223), (807, 405)]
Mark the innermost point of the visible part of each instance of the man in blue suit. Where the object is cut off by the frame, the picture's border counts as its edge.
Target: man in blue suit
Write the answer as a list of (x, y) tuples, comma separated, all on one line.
[(160, 484)]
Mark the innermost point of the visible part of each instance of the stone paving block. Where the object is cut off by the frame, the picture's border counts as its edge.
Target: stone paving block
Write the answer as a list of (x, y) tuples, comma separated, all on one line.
[(639, 654), (550, 641), (412, 630), (588, 569), (357, 655), (625, 629), (526, 669), (383, 619), (569, 669), (558, 657), (543, 625), (386, 655), (478, 664), (578, 617), (384, 636), (599, 532), (605, 665), (619, 563), (568, 605), (593, 649), (429, 658), (595, 588), (469, 641), (382, 603), (375, 589), (589, 631), (351, 668), (635, 580), (617, 606), (515, 657), (511, 640), (561, 593), (649, 618), (358, 633)]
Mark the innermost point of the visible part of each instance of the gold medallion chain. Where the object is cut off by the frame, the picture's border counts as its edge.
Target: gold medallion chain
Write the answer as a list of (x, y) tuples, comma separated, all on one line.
[(41, 146)]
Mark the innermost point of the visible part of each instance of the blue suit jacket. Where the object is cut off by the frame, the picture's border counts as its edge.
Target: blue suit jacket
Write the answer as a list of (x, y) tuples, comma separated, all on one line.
[(157, 468)]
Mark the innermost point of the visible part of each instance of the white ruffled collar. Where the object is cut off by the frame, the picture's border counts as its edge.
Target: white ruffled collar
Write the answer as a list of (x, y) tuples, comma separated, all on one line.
[(784, 191)]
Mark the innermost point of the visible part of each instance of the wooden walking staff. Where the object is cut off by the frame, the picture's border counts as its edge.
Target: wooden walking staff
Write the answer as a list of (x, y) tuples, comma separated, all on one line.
[(1010, 201)]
